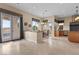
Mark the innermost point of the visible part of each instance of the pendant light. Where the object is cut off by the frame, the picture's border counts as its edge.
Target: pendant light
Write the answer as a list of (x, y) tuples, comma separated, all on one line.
[(77, 15), (43, 18)]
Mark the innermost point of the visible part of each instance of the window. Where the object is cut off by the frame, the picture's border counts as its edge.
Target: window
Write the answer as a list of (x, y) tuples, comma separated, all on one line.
[(35, 24), (6, 24)]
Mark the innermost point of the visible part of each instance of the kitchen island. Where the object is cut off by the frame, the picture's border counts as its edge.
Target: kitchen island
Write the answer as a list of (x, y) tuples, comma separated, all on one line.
[(34, 36)]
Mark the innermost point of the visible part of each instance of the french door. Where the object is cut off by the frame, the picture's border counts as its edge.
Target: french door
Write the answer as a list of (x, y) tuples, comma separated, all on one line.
[(15, 27), (6, 27), (10, 27)]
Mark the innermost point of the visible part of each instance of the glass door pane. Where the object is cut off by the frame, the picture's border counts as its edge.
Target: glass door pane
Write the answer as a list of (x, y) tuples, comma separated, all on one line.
[(6, 27), (16, 27)]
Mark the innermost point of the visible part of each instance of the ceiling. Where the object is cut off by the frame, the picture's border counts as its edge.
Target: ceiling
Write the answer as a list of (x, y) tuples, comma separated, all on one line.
[(47, 9)]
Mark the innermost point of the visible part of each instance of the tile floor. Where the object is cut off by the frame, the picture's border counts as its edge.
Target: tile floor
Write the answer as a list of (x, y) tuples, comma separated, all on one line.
[(51, 46)]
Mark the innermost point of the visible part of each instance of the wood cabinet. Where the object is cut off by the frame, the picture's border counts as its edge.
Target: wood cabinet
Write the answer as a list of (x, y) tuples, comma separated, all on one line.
[(73, 36), (59, 33)]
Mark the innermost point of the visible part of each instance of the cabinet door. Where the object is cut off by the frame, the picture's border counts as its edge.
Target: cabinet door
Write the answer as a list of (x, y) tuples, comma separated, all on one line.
[(16, 27), (6, 27)]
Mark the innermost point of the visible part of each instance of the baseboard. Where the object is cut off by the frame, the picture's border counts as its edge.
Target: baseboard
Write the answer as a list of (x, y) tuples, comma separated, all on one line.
[(10, 40)]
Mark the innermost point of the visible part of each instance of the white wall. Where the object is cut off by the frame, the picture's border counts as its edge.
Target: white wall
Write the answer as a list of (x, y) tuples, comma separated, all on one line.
[(67, 21)]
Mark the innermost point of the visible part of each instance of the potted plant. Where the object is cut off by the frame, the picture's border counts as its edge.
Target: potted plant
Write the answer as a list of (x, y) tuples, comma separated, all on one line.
[(34, 28)]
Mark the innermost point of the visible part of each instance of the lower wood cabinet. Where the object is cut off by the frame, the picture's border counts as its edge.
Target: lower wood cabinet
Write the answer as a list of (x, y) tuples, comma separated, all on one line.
[(59, 33), (73, 36)]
